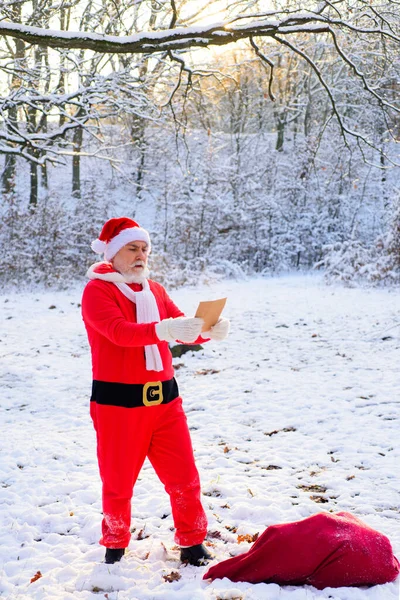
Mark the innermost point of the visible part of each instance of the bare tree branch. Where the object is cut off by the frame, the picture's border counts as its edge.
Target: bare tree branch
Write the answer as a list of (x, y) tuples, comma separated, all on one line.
[(174, 15), (343, 127), (269, 62)]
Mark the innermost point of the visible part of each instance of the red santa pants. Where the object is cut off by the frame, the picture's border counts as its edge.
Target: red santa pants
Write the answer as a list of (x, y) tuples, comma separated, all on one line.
[(125, 436)]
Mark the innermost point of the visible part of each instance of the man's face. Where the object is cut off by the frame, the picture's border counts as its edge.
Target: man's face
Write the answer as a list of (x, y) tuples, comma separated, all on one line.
[(131, 260)]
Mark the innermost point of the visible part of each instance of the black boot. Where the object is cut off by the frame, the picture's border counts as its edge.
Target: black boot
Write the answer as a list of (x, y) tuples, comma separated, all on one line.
[(195, 555), (114, 555)]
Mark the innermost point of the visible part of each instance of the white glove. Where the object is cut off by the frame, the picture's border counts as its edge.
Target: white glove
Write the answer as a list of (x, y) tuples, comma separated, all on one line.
[(185, 329), (219, 331)]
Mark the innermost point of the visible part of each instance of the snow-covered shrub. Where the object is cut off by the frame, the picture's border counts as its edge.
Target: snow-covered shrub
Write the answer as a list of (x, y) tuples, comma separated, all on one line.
[(346, 261), (353, 262), (392, 241), (212, 210), (173, 273), (277, 213), (49, 243)]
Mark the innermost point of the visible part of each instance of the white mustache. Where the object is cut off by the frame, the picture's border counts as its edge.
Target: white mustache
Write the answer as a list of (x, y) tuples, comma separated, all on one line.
[(138, 263)]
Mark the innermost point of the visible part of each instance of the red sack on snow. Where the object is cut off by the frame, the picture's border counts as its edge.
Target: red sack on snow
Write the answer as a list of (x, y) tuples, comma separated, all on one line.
[(324, 550)]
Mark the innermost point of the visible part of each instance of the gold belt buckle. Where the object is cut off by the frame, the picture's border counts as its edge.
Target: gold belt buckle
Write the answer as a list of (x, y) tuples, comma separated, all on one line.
[(152, 393)]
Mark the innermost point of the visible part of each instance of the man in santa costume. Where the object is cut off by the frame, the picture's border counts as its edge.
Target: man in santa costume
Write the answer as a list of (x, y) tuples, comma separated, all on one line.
[(135, 404)]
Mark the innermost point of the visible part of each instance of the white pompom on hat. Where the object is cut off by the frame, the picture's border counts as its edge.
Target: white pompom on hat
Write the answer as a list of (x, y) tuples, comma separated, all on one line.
[(116, 233)]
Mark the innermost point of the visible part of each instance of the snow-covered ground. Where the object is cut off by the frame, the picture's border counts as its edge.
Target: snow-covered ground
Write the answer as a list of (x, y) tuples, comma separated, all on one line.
[(297, 412)]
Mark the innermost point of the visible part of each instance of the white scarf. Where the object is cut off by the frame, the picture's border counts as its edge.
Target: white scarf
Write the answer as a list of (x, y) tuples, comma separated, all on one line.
[(146, 306), (146, 312)]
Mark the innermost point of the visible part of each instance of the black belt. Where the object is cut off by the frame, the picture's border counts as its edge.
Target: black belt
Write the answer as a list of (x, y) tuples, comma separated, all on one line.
[(132, 395)]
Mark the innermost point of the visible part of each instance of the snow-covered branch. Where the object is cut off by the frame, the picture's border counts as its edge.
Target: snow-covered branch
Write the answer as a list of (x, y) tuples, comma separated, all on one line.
[(231, 30), (171, 39)]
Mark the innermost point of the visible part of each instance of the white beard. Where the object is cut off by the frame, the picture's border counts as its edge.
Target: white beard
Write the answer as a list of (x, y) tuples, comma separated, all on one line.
[(136, 278)]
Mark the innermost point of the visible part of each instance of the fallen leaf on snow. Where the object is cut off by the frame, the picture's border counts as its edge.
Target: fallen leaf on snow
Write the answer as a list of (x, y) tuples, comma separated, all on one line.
[(215, 534), (312, 488), (213, 493), (319, 499), (142, 535), (206, 371), (173, 576), (285, 429), (36, 577), (247, 537)]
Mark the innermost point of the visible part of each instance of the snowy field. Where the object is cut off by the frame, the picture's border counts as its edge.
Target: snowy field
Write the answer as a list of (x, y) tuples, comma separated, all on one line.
[(296, 413)]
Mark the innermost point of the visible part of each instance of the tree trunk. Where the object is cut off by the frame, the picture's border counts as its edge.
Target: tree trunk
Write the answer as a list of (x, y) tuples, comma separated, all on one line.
[(31, 127), (385, 194), (34, 194), (10, 164), (76, 162), (44, 176), (281, 134), (43, 169), (8, 175), (138, 136), (65, 15)]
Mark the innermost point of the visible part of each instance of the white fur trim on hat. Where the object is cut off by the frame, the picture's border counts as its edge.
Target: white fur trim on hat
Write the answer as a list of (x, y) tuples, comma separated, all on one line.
[(98, 246), (110, 249), (133, 234)]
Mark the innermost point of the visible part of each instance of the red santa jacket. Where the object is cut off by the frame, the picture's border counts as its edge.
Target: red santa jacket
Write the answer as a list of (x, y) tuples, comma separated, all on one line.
[(116, 340)]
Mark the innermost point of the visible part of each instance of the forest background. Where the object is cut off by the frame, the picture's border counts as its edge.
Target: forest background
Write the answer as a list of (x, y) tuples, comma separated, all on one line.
[(246, 136)]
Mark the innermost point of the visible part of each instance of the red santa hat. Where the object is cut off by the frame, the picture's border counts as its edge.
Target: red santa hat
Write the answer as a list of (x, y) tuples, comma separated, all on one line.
[(116, 233)]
